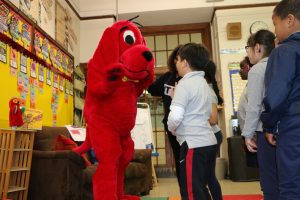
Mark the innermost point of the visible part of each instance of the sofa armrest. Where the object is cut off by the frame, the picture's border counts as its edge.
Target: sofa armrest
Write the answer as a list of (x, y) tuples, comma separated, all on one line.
[(141, 155), (70, 155), (56, 175)]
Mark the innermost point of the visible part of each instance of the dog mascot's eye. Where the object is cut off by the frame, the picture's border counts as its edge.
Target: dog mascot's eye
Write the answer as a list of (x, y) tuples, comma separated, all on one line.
[(129, 37)]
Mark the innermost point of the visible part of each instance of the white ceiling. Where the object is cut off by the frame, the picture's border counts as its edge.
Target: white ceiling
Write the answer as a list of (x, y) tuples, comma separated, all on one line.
[(157, 12)]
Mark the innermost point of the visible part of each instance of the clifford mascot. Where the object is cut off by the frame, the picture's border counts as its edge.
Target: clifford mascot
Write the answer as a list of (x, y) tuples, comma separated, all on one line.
[(120, 69)]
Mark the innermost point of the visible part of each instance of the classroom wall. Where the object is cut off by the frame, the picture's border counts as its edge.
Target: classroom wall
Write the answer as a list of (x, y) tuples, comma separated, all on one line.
[(47, 21), (96, 8), (91, 32)]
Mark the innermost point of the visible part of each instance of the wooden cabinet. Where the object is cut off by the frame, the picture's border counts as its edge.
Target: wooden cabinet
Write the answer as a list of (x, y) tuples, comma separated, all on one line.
[(15, 161)]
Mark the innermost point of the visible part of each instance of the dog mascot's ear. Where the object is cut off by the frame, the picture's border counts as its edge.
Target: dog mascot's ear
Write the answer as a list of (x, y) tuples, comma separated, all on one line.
[(107, 51)]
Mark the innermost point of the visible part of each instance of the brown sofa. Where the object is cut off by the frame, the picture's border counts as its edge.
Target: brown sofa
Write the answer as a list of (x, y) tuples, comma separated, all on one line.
[(62, 175)]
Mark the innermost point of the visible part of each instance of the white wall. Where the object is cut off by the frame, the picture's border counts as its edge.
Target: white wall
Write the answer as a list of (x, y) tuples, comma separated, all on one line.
[(246, 16), (103, 7), (90, 34)]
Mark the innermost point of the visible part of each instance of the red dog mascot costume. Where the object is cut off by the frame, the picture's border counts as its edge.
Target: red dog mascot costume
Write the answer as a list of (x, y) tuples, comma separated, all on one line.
[(120, 69)]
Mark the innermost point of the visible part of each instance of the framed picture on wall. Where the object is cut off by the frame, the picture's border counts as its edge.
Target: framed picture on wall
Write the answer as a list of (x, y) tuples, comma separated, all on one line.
[(3, 52), (64, 31)]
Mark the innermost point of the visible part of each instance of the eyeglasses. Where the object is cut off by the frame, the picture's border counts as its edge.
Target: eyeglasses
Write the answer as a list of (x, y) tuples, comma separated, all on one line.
[(247, 47)]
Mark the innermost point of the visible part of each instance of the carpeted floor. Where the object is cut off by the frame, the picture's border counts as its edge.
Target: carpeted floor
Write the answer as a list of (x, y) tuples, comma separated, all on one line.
[(225, 197)]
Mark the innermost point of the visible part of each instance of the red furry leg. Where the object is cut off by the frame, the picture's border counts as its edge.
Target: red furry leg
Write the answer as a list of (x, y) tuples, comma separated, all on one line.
[(127, 154), (104, 182), (106, 144)]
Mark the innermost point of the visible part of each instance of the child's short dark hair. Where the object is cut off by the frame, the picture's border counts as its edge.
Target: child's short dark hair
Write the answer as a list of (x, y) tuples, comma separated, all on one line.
[(286, 7), (196, 55), (263, 37)]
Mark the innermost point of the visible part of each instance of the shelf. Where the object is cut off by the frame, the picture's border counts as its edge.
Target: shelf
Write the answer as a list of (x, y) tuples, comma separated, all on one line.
[(22, 149), (15, 189), (16, 150), (17, 169)]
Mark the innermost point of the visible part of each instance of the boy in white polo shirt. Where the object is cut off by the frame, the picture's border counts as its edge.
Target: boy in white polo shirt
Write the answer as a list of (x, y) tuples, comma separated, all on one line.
[(188, 121)]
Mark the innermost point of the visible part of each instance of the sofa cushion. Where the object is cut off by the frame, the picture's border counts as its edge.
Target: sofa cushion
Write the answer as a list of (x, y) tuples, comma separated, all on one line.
[(135, 170), (45, 138), (64, 143)]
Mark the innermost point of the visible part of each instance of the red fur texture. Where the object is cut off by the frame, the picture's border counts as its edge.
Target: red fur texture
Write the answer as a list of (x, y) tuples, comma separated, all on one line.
[(120, 69), (15, 113)]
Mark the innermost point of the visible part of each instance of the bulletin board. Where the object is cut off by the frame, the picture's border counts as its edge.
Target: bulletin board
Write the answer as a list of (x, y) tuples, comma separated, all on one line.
[(33, 69), (55, 103), (237, 84)]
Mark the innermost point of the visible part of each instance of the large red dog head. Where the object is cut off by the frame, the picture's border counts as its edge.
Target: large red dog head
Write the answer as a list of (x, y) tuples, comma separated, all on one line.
[(123, 43)]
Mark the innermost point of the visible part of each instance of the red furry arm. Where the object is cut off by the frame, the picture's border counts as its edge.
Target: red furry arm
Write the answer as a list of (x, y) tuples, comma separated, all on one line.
[(104, 81), (145, 83)]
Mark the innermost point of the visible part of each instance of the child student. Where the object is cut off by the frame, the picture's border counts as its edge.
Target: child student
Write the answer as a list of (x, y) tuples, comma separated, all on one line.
[(188, 120), (282, 98), (259, 46)]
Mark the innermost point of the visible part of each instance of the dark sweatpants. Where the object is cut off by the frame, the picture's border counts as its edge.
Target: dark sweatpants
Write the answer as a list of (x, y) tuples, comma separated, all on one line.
[(196, 166), (266, 156), (288, 157)]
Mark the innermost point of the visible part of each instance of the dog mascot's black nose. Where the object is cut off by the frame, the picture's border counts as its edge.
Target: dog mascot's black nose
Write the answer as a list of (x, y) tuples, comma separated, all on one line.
[(147, 55)]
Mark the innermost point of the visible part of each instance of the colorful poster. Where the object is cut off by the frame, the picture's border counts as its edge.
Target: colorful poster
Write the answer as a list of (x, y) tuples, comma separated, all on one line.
[(20, 83), (26, 36), (19, 30), (41, 73), (48, 76), (41, 87), (61, 83), (55, 80), (32, 96), (13, 58), (33, 69), (14, 28), (26, 83), (23, 63), (4, 12), (37, 44), (45, 48), (54, 104), (3, 52)]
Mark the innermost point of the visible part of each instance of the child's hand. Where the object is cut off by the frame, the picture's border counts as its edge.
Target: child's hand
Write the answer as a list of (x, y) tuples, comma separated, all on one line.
[(251, 144), (271, 138)]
